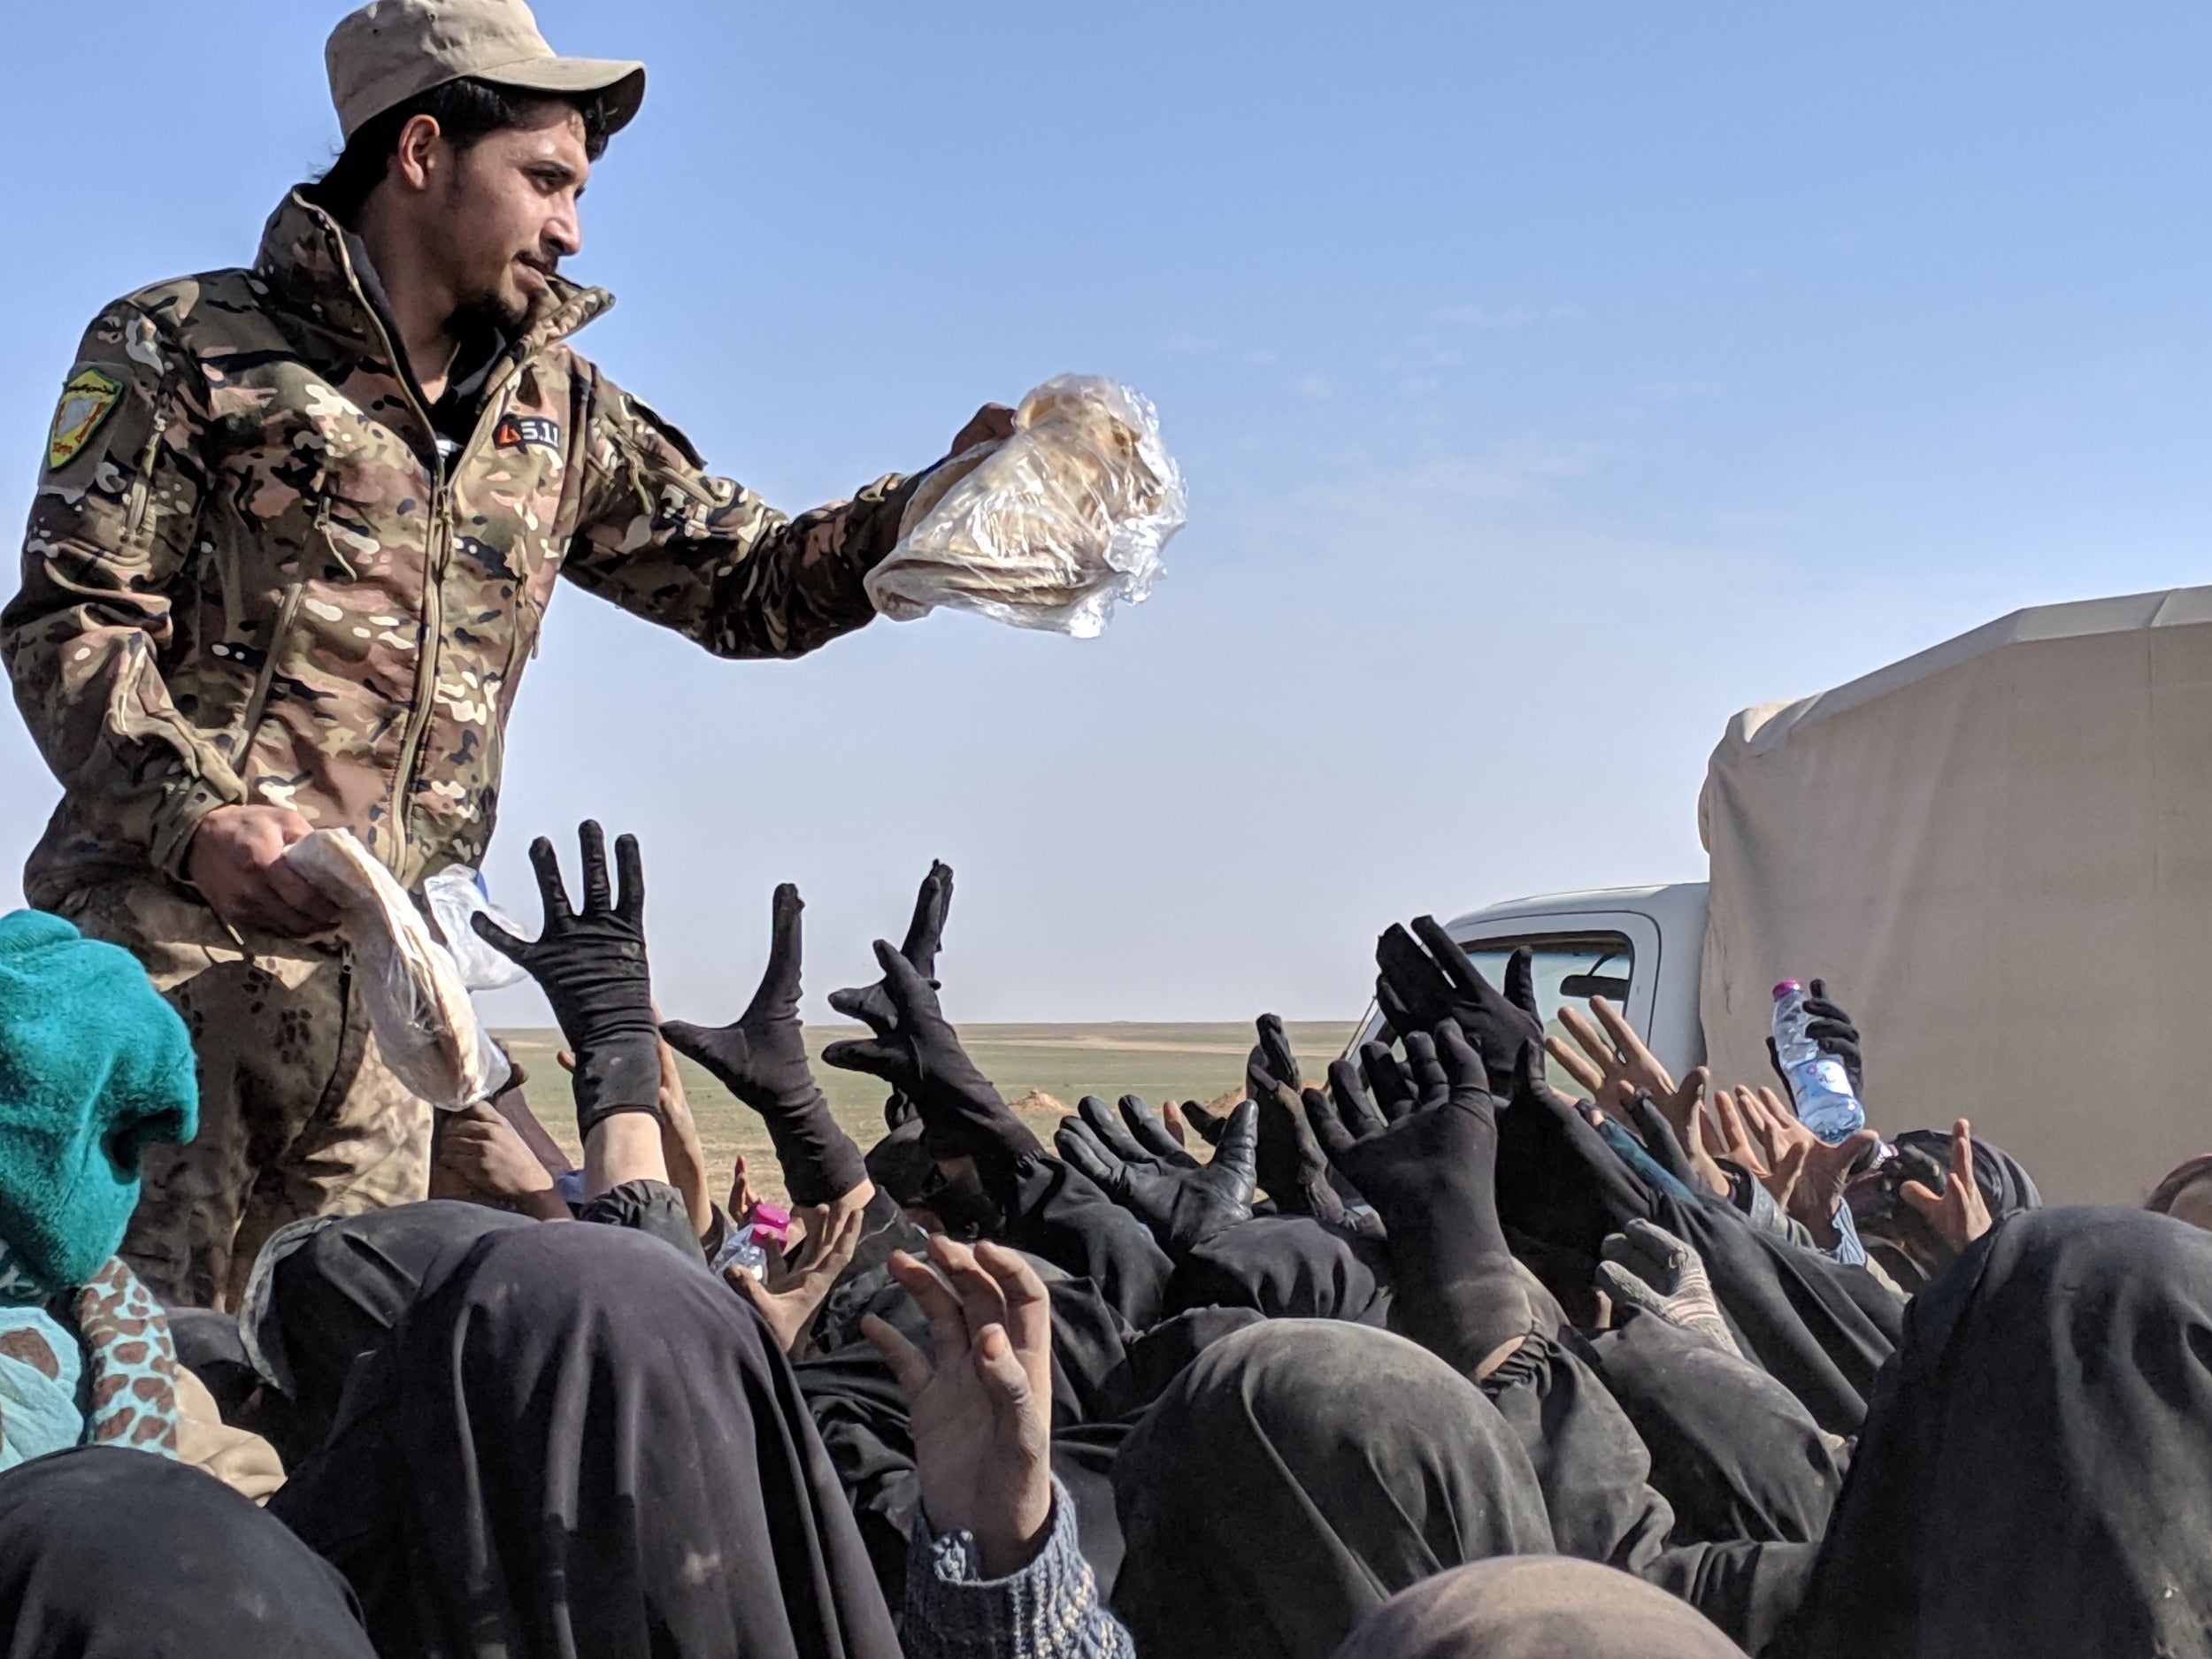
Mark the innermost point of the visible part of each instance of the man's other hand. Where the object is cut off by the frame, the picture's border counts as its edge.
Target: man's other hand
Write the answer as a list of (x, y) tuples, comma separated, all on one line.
[(237, 863), (992, 421)]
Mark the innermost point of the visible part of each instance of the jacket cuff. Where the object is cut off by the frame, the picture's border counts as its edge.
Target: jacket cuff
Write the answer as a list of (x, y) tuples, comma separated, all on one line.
[(951, 1610), (177, 819)]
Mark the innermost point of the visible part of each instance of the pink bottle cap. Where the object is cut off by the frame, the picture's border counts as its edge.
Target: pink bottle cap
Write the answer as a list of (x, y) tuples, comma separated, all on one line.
[(771, 1221), (1788, 988)]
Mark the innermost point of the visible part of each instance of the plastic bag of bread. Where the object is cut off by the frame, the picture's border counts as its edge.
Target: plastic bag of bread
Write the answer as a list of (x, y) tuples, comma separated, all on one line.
[(419, 1008), (1048, 528)]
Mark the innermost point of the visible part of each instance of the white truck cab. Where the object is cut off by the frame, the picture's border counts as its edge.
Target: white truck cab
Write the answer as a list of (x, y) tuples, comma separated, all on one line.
[(1642, 948)]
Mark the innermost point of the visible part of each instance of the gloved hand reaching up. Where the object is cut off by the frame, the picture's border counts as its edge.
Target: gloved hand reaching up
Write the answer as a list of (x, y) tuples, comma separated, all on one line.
[(1292, 1170), (924, 937), (1419, 989), (1431, 1175), (1649, 1270), (1558, 1182), (1833, 1033), (591, 966), (761, 1058), (1183, 1201), (916, 1050)]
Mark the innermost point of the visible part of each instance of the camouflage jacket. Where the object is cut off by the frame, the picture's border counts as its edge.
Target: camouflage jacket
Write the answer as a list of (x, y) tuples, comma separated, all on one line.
[(251, 576)]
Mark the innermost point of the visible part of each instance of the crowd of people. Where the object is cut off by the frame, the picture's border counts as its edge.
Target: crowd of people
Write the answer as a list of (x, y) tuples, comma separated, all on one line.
[(1418, 1356)]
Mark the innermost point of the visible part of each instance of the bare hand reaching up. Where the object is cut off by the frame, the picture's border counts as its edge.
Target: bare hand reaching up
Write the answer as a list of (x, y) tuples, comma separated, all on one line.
[(1959, 1213), (794, 1291), (981, 1413)]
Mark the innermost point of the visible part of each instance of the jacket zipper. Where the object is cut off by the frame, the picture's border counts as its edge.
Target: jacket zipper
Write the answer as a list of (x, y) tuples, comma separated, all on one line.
[(438, 560), (286, 614)]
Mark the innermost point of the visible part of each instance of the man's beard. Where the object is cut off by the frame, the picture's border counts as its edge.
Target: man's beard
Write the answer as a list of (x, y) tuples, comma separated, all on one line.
[(488, 316)]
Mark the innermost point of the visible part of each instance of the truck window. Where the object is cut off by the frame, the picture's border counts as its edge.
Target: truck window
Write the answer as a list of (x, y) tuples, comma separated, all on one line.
[(1570, 968)]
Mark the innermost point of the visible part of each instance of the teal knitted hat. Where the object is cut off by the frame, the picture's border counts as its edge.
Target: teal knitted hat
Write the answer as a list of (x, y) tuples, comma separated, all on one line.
[(94, 1067)]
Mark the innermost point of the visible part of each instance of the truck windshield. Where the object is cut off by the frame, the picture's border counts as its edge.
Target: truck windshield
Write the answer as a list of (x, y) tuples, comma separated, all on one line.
[(1570, 968)]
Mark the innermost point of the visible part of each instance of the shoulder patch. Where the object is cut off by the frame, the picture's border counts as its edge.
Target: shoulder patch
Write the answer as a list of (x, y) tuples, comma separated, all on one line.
[(87, 401)]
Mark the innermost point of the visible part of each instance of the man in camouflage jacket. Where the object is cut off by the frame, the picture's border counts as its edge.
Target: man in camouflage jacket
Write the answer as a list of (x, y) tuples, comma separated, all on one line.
[(282, 574)]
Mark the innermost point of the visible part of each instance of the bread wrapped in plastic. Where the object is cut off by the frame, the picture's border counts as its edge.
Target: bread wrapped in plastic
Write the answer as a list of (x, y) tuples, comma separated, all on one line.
[(1048, 528), (419, 1008)]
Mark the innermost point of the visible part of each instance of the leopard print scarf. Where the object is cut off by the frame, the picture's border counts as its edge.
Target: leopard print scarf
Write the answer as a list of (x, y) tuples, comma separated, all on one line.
[(105, 1344)]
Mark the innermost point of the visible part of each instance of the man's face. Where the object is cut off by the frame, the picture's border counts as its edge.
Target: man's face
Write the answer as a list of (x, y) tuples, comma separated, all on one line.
[(508, 215)]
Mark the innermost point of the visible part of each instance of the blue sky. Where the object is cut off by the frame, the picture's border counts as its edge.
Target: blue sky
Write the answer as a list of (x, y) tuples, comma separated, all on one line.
[(1551, 381)]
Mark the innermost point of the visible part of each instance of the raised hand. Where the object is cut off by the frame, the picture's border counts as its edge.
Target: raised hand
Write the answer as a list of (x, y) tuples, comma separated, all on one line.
[(981, 1413), (1209, 1124), (1806, 1175), (1557, 1180), (1431, 1175), (1650, 1271), (795, 1290), (1293, 1171), (1420, 988), (1959, 1213), (1832, 1031), (916, 1050), (925, 937), (590, 963), (1615, 1065), (761, 1058), (1184, 1203)]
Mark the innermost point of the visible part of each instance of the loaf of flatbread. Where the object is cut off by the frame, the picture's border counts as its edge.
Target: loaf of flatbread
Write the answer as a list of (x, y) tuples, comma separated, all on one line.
[(1050, 527), (419, 1009)]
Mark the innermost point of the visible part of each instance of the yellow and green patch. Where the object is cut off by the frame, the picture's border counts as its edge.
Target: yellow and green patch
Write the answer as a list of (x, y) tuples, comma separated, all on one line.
[(87, 401)]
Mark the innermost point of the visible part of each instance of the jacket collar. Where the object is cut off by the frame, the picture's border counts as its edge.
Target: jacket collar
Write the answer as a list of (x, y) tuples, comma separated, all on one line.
[(304, 260)]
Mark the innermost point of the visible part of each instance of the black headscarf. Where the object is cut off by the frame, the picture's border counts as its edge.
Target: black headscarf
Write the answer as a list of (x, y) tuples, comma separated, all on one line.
[(111, 1554), (1531, 1607), (332, 1298), (2035, 1476), (578, 1443), (1295, 1475)]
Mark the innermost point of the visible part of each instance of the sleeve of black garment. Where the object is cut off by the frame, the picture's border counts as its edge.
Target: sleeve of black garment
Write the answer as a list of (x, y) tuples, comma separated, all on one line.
[(1820, 1329), (1060, 1216)]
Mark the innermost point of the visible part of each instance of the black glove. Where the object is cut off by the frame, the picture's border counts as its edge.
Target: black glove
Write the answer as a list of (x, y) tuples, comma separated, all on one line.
[(925, 937), (1832, 1032), (916, 1050), (1292, 1171), (1398, 1086), (1431, 1175), (1558, 1182), (1137, 1137), (591, 967), (1210, 1126), (1419, 989), (1185, 1204), (761, 1059)]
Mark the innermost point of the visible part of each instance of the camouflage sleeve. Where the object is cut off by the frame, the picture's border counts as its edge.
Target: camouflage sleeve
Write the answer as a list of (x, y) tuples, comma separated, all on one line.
[(663, 538), (110, 531)]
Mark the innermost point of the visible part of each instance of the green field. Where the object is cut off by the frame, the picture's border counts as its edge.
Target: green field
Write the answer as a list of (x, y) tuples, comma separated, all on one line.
[(1063, 1062)]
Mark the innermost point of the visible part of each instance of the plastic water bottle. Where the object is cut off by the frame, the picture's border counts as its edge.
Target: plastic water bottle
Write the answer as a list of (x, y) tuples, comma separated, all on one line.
[(743, 1251), (1818, 1083), (748, 1246)]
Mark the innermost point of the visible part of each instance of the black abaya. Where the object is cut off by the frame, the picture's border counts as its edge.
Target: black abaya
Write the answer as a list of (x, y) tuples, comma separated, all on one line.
[(578, 1445), (111, 1554)]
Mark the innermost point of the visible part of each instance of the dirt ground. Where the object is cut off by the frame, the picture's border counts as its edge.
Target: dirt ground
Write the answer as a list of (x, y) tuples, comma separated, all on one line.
[(1194, 1062)]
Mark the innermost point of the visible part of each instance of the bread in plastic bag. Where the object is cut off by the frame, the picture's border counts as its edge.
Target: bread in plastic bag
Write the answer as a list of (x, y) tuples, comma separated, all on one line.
[(419, 1008), (1048, 528)]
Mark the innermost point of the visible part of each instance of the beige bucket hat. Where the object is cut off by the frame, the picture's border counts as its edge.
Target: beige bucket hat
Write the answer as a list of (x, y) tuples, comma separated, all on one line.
[(390, 51)]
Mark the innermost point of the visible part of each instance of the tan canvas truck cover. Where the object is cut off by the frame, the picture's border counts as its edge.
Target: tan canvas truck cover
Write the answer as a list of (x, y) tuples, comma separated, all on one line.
[(1999, 855)]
